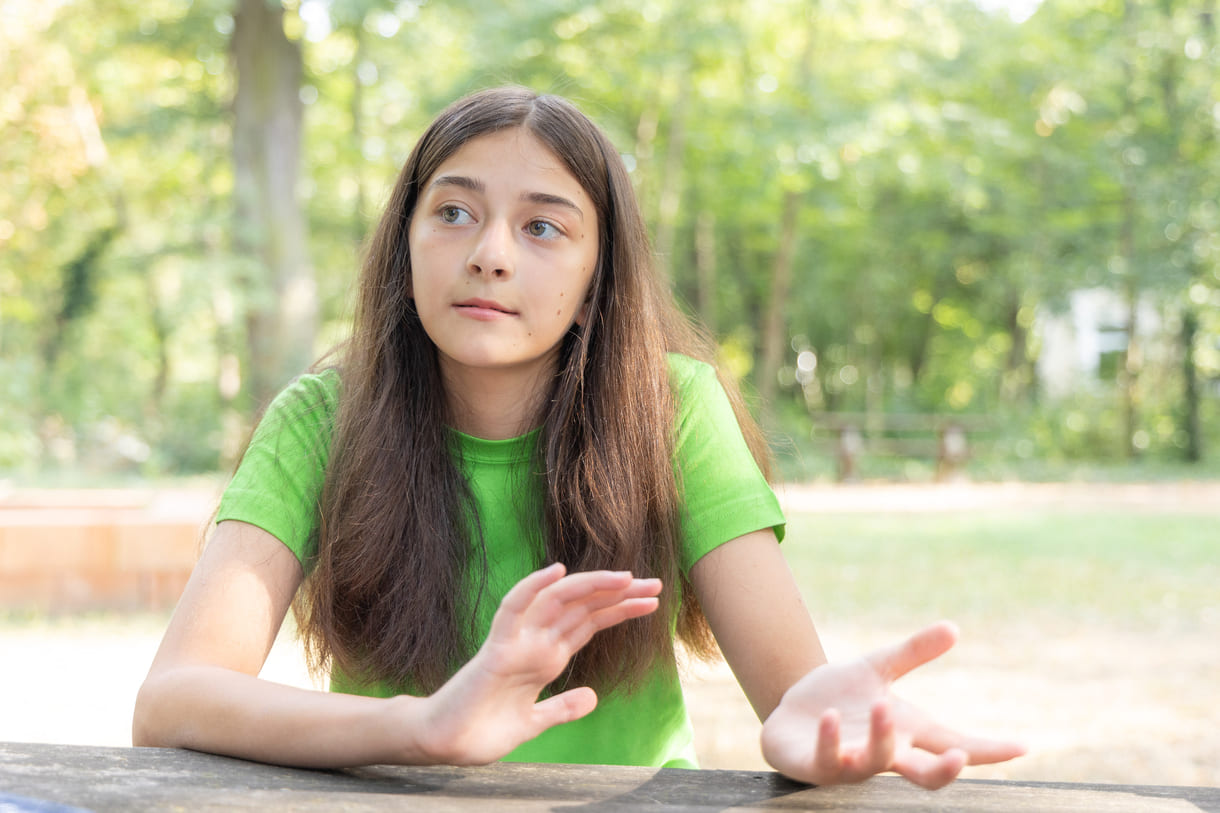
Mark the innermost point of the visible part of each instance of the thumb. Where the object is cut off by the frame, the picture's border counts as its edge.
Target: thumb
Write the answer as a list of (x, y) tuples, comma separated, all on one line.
[(563, 708), (894, 661)]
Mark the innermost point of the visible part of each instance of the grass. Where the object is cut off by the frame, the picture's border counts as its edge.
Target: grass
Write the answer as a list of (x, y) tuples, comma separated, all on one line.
[(1150, 572)]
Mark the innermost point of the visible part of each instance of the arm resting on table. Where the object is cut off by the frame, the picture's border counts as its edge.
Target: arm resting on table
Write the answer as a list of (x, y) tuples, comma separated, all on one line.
[(202, 691)]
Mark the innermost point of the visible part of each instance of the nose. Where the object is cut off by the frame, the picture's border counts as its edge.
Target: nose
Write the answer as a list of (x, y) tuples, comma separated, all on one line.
[(492, 253)]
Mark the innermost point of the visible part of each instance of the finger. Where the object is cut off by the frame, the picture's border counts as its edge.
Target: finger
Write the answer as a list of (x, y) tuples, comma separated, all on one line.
[(624, 610), (644, 588), (929, 770), (543, 593), (636, 588), (555, 597), (563, 606), (880, 750), (894, 661), (580, 622), (826, 760), (523, 593), (563, 708), (600, 585), (979, 750), (986, 752)]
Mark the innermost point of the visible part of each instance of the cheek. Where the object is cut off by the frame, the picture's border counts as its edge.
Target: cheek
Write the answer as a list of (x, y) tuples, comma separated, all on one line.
[(426, 257)]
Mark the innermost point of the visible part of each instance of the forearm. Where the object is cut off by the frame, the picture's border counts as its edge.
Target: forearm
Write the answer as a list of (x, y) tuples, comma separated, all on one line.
[(217, 710), (756, 611)]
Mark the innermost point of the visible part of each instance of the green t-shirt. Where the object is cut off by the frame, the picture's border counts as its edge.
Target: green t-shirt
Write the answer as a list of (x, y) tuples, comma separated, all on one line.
[(279, 482)]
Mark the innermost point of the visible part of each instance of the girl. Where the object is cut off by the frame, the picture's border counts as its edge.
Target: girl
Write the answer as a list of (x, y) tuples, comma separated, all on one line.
[(518, 390)]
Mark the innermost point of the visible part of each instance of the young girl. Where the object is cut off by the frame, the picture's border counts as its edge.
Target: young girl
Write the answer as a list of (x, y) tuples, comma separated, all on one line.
[(511, 493)]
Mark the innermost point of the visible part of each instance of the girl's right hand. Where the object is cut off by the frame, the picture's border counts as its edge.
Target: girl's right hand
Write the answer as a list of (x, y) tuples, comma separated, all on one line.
[(491, 705)]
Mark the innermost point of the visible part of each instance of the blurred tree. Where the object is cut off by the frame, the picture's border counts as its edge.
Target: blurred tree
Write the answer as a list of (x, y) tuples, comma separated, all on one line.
[(269, 226), (894, 188)]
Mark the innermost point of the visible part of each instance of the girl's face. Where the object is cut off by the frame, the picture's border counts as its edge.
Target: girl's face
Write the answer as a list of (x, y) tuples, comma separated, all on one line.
[(503, 242)]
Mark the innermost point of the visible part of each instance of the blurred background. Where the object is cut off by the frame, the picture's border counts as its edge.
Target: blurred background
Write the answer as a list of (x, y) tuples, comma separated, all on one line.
[(930, 207), (959, 254)]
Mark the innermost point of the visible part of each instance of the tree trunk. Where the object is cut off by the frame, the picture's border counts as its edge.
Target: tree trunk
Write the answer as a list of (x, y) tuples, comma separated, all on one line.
[(1191, 424), (1015, 381), (645, 145), (920, 338), (1129, 372), (705, 269), (1191, 419), (357, 113), (1128, 376), (269, 232), (774, 337), (670, 197)]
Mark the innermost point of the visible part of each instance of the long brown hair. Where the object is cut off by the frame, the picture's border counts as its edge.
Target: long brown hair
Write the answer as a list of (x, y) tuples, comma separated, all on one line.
[(387, 597)]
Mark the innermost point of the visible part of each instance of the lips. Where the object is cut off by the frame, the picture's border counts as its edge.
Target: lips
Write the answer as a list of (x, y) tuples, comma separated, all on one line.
[(484, 307)]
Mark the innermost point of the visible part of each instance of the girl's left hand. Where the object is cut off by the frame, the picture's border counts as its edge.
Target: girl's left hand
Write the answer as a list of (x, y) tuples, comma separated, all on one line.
[(840, 723)]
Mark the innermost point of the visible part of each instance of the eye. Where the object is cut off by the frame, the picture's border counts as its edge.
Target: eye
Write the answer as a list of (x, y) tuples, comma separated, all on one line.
[(541, 228), (454, 214)]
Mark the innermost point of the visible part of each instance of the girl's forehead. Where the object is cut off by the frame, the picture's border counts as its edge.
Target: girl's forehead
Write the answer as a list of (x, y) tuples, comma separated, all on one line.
[(514, 156)]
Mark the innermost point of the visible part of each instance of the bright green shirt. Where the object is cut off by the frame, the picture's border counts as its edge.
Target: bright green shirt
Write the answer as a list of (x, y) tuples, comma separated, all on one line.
[(279, 482)]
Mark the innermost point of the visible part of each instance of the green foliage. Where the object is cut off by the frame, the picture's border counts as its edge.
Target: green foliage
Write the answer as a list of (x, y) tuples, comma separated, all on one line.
[(956, 175)]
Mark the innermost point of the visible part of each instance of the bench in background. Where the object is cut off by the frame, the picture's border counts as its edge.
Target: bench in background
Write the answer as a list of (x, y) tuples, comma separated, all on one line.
[(942, 438)]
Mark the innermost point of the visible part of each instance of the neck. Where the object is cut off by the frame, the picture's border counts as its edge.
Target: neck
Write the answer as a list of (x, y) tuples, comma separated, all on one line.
[(494, 404)]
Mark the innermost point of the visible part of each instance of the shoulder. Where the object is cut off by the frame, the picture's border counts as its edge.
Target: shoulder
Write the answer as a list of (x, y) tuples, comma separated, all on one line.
[(697, 390), (301, 416), (724, 493), (310, 397), (279, 481), (687, 373), (318, 390)]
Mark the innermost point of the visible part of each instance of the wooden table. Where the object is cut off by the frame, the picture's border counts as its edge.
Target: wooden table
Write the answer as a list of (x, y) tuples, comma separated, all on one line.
[(36, 777)]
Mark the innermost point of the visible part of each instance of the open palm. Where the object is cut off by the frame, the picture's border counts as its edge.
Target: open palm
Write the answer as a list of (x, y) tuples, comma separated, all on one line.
[(841, 723)]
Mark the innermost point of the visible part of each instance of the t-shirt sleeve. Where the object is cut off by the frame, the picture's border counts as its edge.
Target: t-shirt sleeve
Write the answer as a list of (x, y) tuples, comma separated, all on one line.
[(725, 495), (278, 483)]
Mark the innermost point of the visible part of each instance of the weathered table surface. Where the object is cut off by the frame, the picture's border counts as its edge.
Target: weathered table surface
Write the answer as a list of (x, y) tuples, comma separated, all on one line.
[(37, 777)]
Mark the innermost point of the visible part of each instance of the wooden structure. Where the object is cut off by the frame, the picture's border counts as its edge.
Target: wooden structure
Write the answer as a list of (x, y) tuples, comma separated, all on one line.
[(941, 438), (54, 778), (72, 550)]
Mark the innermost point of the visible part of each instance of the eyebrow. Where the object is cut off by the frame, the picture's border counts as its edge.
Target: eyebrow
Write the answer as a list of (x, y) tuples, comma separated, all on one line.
[(475, 185)]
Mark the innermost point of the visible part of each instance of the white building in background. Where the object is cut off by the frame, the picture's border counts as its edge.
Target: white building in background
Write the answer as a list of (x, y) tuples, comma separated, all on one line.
[(1080, 348)]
